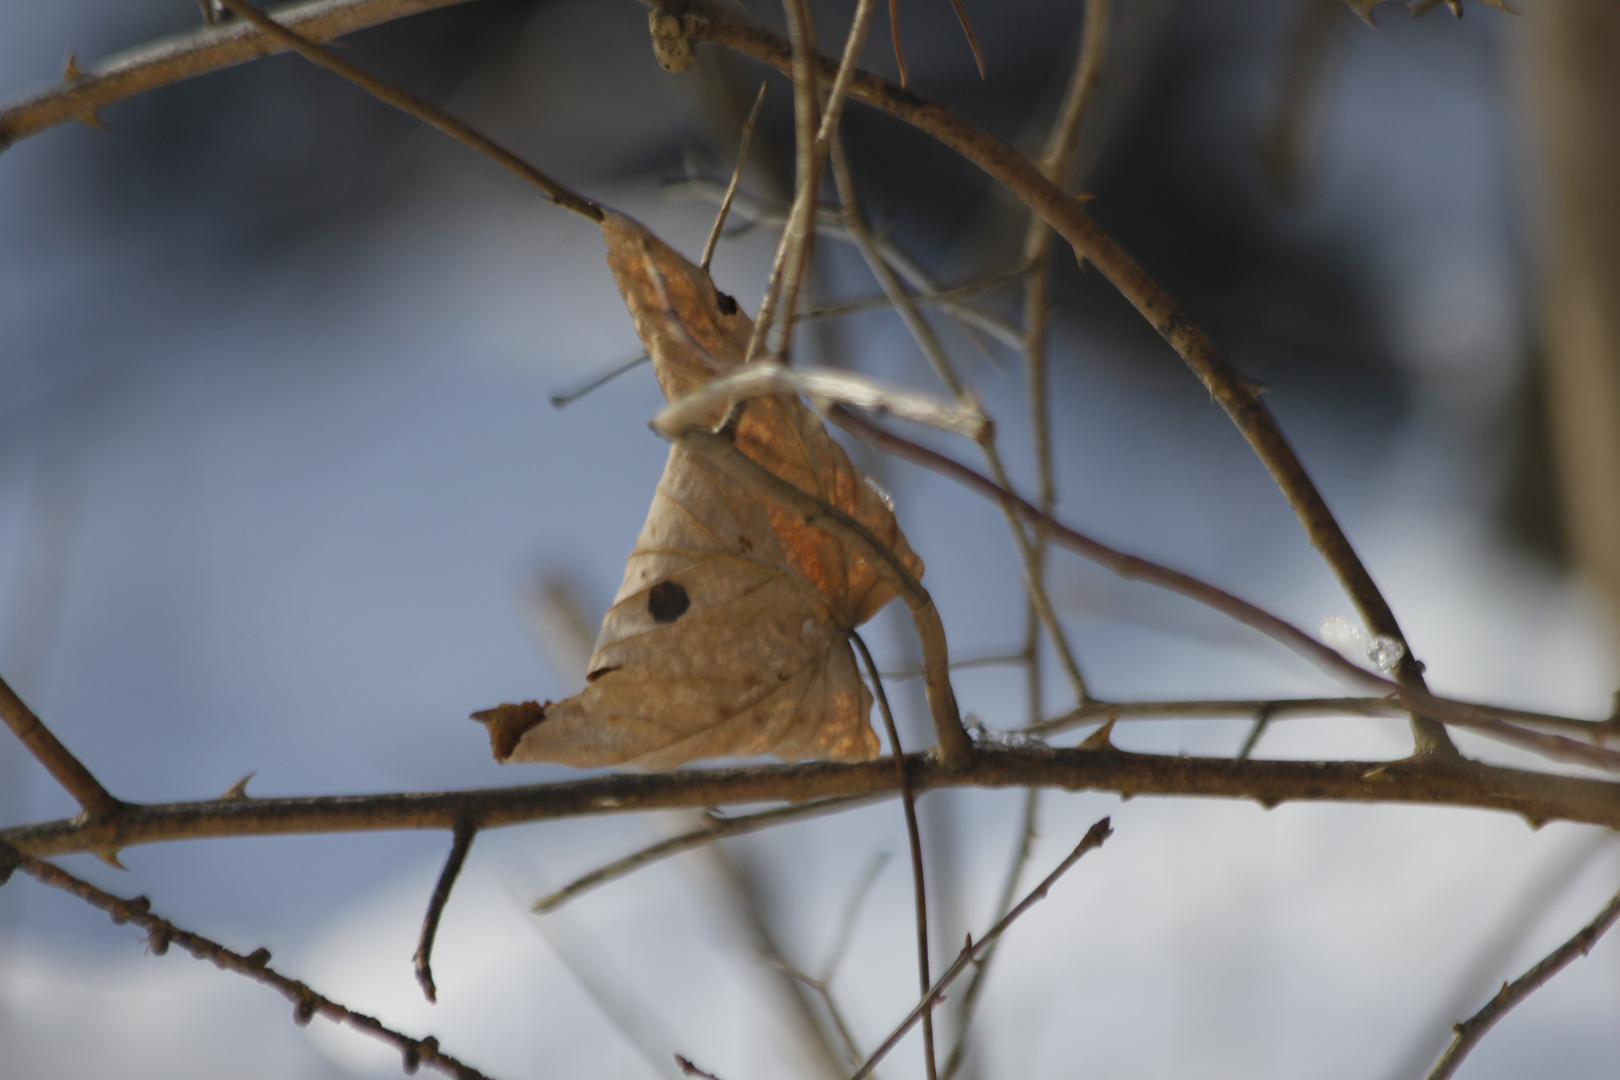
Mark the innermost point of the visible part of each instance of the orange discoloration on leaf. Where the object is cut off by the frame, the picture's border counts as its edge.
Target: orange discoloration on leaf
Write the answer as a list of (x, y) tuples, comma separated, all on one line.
[(730, 633)]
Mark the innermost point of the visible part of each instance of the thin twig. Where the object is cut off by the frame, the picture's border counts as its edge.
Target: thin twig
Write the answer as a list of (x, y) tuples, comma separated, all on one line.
[(830, 223), (689, 1069), (423, 960), (713, 828), (1225, 383), (1537, 797), (969, 1000), (1486, 962), (1470, 1031), (1416, 699), (1056, 165), (58, 760), (412, 105), (596, 382), (944, 296), (161, 933), (736, 178), (1093, 839), (855, 225), (1262, 720), (745, 889), (919, 887)]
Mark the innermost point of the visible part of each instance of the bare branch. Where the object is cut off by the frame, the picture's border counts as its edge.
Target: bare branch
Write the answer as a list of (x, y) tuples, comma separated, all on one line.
[(57, 759), (1093, 839), (1470, 1031), (1066, 215), (307, 1004)]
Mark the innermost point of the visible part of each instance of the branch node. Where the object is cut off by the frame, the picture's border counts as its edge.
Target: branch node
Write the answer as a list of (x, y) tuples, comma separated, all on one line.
[(157, 941), (259, 957)]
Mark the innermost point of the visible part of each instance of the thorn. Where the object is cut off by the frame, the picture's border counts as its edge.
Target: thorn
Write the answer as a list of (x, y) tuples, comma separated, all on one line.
[(1267, 802), (1099, 739), (238, 790), (111, 859), (1535, 823), (91, 119), (1364, 9), (70, 70), (1456, 8)]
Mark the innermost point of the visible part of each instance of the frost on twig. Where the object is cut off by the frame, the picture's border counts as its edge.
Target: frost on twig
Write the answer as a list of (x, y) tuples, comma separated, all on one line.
[(1381, 650)]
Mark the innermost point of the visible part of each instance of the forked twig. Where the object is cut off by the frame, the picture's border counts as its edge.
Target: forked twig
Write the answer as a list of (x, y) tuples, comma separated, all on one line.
[(1093, 839), (918, 885), (1470, 1031), (307, 1004), (422, 962), (1009, 893)]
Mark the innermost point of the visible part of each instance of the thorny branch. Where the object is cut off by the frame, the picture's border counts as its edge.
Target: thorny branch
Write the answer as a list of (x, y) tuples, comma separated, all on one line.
[(307, 1004), (1094, 838), (1537, 797)]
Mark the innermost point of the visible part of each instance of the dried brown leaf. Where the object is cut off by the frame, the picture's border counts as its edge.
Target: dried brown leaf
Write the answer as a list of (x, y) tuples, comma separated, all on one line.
[(730, 632)]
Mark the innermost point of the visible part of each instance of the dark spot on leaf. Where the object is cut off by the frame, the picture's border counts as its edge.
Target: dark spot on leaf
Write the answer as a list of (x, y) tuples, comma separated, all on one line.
[(744, 545), (601, 671), (667, 601), (726, 304)]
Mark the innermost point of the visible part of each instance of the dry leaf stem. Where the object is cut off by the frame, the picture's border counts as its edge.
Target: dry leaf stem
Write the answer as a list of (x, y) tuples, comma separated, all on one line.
[(1066, 215), (1470, 1031), (307, 1004)]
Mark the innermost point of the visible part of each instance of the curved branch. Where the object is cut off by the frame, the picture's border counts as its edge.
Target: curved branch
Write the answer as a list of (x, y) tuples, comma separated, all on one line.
[(1419, 781)]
